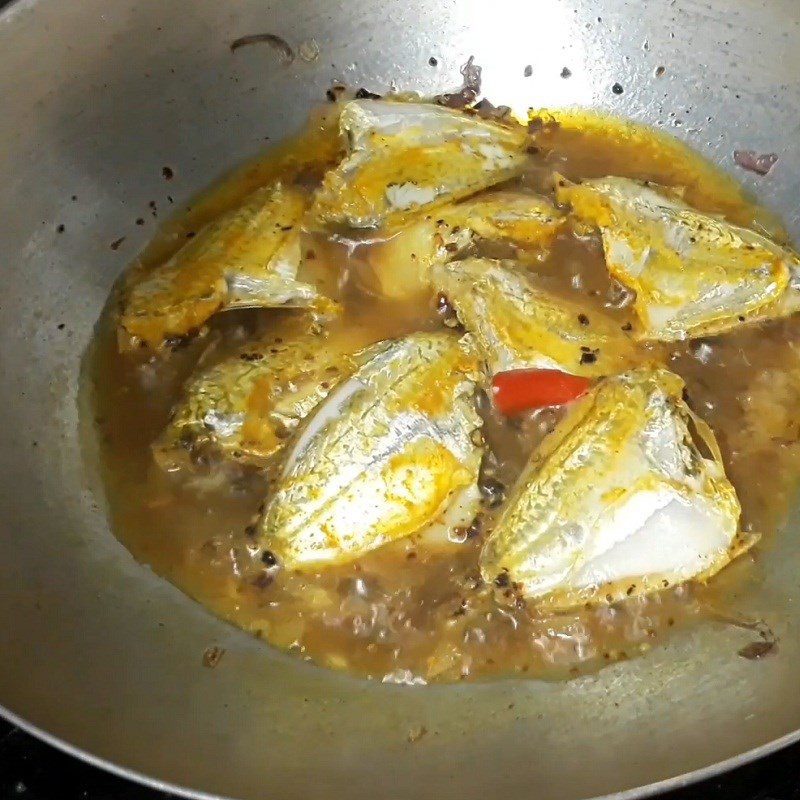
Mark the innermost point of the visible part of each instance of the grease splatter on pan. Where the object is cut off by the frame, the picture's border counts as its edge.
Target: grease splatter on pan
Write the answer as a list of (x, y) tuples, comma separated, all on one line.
[(757, 650), (469, 90), (761, 164), (277, 43)]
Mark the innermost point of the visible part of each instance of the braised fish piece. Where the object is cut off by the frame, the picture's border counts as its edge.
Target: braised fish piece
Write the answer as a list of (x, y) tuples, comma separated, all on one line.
[(393, 450), (246, 258), (401, 266), (527, 220), (244, 408), (618, 500), (518, 325), (694, 274), (403, 158)]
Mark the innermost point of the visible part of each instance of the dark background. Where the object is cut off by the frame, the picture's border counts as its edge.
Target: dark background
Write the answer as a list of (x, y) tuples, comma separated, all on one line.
[(33, 770)]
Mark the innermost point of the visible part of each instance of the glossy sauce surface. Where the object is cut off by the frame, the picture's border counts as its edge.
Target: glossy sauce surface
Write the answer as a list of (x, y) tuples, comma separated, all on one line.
[(407, 613)]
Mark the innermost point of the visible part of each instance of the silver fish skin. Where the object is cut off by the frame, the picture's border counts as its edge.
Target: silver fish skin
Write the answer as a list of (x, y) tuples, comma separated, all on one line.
[(244, 408), (519, 325), (403, 158), (388, 454), (247, 258), (694, 274), (618, 500), (400, 266)]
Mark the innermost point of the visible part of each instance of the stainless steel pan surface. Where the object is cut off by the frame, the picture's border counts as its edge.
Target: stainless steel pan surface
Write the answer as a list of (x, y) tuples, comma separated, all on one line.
[(101, 656)]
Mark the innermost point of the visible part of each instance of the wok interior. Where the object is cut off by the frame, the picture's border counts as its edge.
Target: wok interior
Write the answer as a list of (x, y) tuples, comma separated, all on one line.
[(107, 657)]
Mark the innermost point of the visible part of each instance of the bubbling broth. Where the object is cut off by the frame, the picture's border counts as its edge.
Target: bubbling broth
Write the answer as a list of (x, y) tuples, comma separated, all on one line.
[(408, 611)]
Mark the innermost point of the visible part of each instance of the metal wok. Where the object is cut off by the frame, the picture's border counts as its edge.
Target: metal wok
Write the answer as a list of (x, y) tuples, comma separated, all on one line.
[(105, 659)]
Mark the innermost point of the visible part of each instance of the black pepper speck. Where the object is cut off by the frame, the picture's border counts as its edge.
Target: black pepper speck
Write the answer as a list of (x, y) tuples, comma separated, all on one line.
[(366, 94)]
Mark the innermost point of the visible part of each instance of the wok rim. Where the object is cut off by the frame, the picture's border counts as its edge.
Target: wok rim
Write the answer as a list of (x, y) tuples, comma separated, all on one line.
[(681, 781), (8, 8)]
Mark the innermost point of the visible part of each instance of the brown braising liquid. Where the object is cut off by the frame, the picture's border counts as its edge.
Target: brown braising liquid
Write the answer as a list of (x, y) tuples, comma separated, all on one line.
[(401, 613)]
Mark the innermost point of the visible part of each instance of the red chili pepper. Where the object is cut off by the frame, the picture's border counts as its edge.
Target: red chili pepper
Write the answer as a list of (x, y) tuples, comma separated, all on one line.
[(523, 389)]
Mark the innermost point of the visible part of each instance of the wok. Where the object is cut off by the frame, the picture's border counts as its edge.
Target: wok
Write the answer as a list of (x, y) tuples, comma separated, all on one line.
[(105, 659)]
